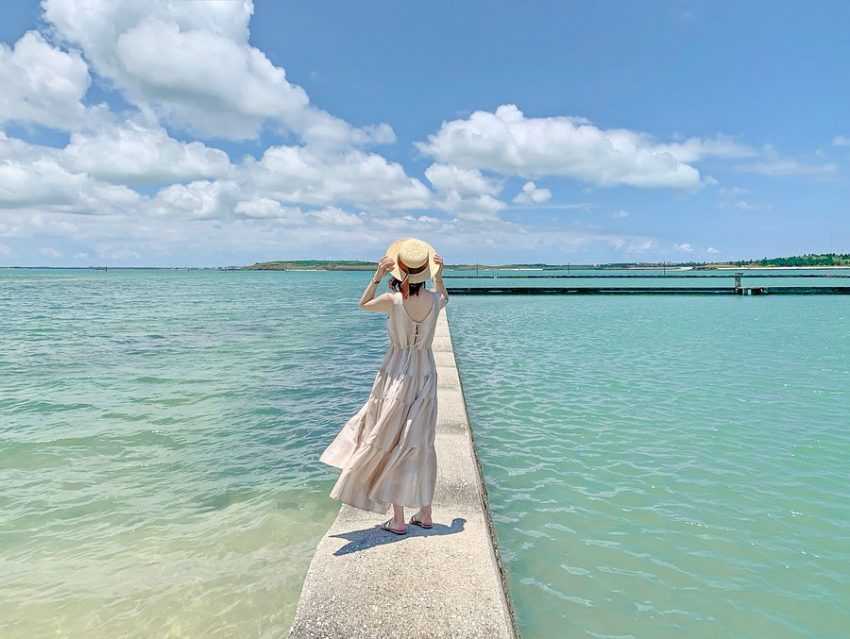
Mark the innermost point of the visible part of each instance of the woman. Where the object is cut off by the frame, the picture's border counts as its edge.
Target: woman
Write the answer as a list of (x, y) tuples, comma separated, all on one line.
[(386, 450)]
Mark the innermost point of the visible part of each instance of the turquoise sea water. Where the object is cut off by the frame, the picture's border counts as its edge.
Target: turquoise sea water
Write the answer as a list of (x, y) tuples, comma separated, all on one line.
[(657, 467), (159, 436), (665, 466)]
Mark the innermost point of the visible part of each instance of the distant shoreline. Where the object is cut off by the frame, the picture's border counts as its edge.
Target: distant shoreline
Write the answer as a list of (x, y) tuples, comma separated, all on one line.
[(449, 267), (779, 264), (353, 265)]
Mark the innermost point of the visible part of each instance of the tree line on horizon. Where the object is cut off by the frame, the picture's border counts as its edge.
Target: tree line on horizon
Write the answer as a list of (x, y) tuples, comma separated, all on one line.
[(811, 259)]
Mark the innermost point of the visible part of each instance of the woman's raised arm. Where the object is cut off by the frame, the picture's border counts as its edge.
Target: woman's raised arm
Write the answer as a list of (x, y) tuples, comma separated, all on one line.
[(438, 281), (383, 303)]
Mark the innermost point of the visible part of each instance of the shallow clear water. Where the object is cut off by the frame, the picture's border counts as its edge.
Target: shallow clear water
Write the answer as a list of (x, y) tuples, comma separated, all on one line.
[(159, 442), (665, 467)]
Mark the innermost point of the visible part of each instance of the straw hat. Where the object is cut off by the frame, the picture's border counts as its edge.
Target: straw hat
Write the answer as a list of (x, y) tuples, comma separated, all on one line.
[(413, 258)]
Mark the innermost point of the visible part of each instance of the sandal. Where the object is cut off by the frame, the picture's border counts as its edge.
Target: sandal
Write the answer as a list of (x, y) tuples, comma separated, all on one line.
[(416, 522), (395, 531)]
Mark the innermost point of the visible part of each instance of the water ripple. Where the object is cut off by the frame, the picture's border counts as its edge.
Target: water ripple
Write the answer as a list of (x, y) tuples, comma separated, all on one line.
[(665, 467), (159, 442)]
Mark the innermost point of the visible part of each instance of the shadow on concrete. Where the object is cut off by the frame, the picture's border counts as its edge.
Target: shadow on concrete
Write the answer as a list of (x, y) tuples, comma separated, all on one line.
[(374, 536)]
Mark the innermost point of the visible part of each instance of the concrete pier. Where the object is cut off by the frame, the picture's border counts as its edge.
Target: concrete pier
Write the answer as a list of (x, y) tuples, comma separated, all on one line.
[(445, 582)]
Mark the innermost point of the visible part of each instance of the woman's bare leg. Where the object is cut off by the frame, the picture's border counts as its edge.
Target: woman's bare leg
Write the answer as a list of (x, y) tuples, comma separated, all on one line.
[(398, 517)]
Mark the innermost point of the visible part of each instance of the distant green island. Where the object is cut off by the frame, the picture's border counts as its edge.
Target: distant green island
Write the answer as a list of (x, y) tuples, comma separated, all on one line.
[(311, 265), (809, 260), (812, 259)]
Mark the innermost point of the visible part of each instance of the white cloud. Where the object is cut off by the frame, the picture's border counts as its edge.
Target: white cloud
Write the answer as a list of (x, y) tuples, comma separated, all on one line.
[(308, 175), (136, 153), (265, 209), (684, 247), (333, 216), (450, 178), (127, 153), (697, 149), (44, 183), (465, 191), (18, 150), (133, 153), (530, 194), (481, 207), (202, 199), (42, 84), (841, 140), (777, 166), (712, 251), (87, 176), (508, 143), (181, 239), (192, 64)]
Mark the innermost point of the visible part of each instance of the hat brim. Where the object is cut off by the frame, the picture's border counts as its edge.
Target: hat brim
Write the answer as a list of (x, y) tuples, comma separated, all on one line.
[(414, 278)]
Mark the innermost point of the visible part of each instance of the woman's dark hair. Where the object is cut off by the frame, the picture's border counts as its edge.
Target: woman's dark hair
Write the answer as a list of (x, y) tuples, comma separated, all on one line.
[(414, 288)]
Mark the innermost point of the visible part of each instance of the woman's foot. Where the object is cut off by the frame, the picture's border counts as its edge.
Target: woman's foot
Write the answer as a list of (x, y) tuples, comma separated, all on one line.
[(390, 525), (396, 524), (422, 519)]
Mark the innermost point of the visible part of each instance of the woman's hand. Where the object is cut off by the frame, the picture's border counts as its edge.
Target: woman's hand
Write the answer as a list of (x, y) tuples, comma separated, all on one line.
[(438, 259), (385, 266)]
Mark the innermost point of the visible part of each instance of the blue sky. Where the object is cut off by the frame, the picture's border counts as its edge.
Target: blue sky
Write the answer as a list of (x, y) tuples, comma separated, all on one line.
[(213, 133)]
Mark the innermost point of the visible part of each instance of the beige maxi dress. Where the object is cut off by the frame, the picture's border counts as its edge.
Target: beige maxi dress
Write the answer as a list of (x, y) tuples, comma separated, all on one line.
[(386, 449)]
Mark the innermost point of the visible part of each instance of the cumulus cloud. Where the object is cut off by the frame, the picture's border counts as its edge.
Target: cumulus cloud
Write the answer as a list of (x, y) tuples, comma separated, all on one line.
[(531, 194), (684, 247), (192, 64), (90, 175), (307, 175), (450, 178), (297, 184), (136, 153), (263, 208), (841, 140), (509, 143), (467, 192), (95, 169), (333, 216), (38, 179), (42, 84), (202, 199)]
